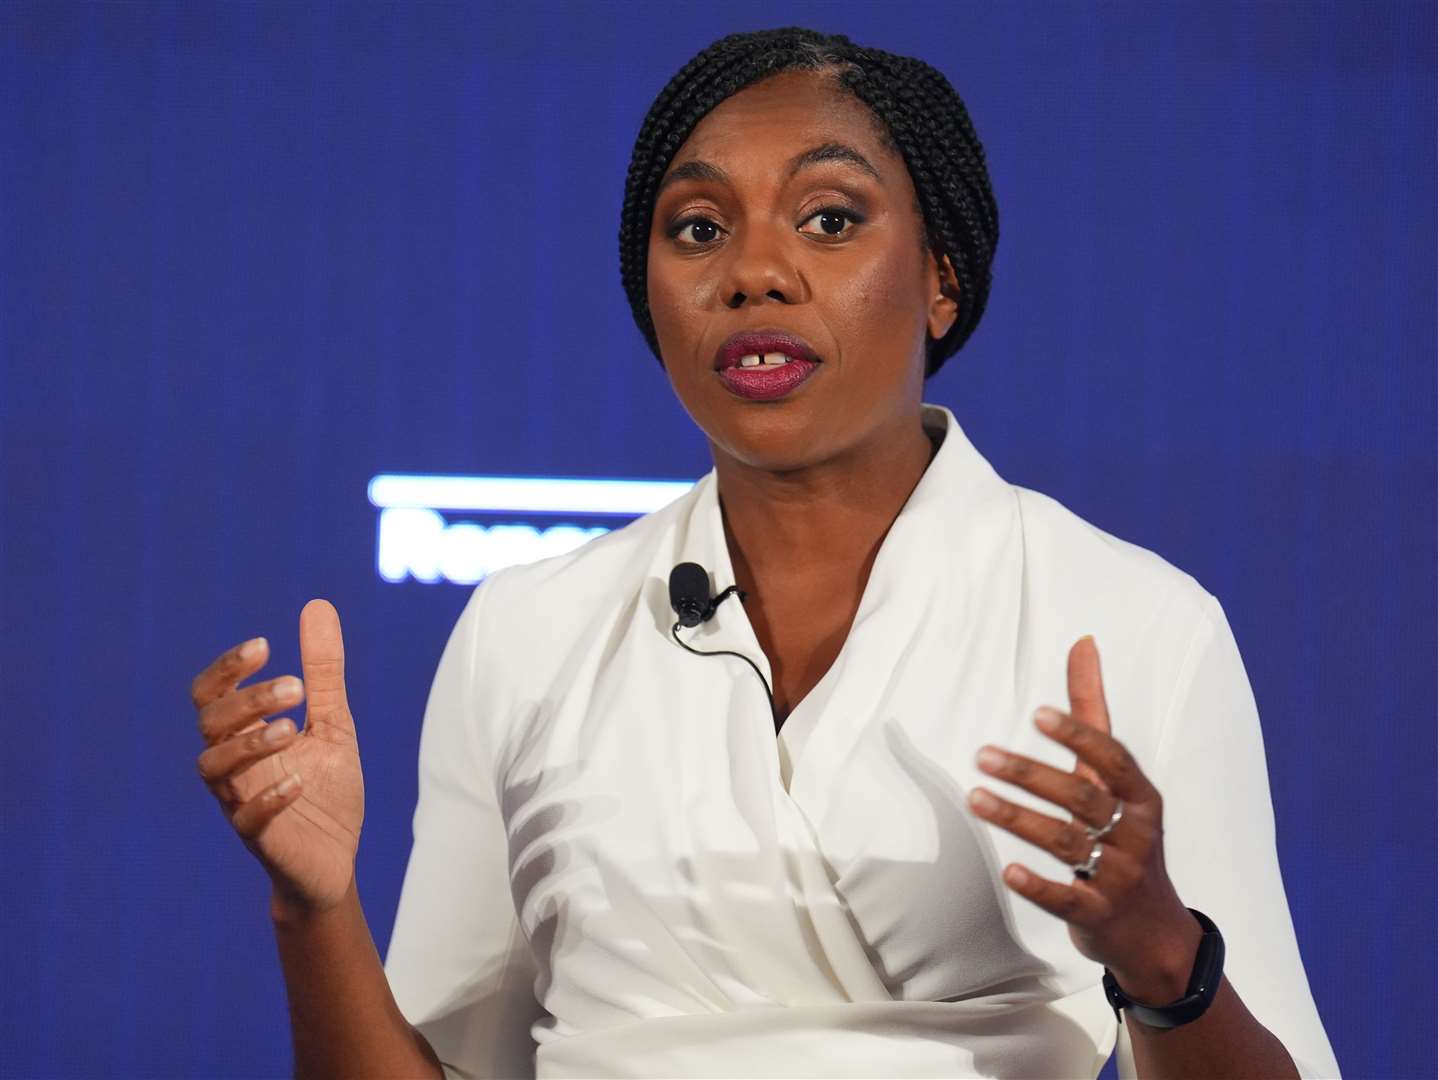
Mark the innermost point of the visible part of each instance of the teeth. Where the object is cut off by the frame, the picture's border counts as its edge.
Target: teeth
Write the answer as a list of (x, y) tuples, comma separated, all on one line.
[(771, 359)]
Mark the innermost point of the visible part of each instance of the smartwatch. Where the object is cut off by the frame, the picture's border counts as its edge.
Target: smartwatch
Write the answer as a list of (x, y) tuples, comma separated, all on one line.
[(1202, 985)]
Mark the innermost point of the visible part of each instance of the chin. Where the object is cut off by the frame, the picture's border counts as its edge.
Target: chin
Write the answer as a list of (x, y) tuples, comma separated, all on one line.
[(808, 427), (780, 436)]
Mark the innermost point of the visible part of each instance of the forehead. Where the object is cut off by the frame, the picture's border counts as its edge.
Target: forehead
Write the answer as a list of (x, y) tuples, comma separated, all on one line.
[(784, 114)]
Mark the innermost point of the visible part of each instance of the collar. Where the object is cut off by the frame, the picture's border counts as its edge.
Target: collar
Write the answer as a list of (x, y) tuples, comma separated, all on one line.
[(944, 537)]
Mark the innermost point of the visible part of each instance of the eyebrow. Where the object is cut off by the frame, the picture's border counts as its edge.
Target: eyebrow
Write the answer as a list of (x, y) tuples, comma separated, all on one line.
[(696, 169)]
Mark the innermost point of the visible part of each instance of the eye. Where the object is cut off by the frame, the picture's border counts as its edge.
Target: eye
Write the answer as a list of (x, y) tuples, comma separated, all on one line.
[(704, 231), (831, 221)]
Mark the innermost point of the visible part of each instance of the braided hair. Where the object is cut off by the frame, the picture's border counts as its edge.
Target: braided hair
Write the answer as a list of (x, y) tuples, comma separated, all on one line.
[(921, 117)]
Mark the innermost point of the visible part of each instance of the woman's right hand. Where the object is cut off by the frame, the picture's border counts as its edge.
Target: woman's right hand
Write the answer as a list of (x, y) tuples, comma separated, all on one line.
[(297, 802)]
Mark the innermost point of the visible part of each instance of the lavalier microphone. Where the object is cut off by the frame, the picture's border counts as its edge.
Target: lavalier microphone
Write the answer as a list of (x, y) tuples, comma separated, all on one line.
[(689, 594), (689, 597)]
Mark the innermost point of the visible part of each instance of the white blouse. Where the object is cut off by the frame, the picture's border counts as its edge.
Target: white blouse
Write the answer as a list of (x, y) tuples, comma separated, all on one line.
[(619, 870)]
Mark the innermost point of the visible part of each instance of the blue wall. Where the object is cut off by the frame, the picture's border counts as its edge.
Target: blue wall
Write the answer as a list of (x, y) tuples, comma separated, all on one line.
[(252, 254)]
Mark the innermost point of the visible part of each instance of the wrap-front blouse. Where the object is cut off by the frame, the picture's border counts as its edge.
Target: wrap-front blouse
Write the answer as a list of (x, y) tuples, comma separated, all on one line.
[(619, 869)]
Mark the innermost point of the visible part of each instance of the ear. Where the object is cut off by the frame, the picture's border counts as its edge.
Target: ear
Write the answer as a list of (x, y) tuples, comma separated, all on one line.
[(944, 290)]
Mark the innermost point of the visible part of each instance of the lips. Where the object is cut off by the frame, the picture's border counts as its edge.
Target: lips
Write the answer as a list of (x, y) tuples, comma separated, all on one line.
[(763, 365), (760, 342)]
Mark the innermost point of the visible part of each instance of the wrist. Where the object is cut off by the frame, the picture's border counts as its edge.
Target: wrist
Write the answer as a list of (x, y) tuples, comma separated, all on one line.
[(1161, 975), (288, 909)]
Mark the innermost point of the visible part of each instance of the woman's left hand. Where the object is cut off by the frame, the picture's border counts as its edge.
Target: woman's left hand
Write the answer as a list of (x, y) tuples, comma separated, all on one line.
[(1127, 916)]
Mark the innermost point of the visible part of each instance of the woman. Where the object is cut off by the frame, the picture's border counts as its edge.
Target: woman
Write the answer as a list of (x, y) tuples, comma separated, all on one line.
[(618, 871)]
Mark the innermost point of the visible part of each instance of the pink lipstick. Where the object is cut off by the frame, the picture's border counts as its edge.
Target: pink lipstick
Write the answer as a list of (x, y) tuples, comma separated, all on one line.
[(765, 365)]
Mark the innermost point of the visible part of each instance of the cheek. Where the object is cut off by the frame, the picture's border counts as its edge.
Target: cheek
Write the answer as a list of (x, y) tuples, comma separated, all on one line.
[(671, 298), (671, 303), (879, 304)]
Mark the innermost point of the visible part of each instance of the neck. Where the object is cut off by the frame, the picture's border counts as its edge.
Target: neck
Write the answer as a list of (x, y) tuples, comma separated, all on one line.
[(835, 513)]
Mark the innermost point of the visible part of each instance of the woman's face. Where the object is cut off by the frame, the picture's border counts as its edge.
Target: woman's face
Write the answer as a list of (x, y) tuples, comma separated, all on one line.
[(755, 231)]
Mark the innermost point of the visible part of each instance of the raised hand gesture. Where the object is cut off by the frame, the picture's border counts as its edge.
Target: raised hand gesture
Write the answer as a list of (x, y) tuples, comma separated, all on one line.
[(296, 799), (1121, 907)]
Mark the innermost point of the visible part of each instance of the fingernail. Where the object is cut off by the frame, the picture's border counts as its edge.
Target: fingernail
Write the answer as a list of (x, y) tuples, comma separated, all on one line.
[(278, 732), (981, 800), (990, 759), (288, 784), (1046, 718), (287, 688), (1016, 875), (252, 648)]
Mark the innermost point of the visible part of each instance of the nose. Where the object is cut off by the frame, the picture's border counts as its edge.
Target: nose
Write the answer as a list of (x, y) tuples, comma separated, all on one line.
[(758, 266)]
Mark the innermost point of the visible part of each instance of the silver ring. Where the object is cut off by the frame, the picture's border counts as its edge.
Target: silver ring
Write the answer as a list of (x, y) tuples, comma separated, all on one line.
[(1099, 834), (1088, 869)]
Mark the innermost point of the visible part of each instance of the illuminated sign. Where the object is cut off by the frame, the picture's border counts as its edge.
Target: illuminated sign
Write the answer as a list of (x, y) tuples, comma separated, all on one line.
[(520, 519)]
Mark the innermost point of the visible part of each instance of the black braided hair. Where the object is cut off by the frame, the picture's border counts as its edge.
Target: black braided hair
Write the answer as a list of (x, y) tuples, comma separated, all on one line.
[(920, 115)]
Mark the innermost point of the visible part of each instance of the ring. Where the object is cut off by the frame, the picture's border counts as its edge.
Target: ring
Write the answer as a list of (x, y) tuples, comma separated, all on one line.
[(1099, 834), (1088, 869)]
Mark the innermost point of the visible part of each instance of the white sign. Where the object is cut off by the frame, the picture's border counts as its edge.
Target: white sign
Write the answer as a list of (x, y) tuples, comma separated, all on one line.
[(527, 518)]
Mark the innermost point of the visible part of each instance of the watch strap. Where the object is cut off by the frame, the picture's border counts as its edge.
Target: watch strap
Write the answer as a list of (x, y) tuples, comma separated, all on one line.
[(1202, 985)]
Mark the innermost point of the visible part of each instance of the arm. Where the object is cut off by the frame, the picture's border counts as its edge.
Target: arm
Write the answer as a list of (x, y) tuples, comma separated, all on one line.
[(1225, 1041), (1222, 857), (343, 1015), (1129, 916), (296, 799), (460, 967)]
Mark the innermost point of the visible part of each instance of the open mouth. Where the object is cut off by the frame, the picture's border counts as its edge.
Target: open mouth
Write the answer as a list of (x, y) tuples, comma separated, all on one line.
[(768, 360), (765, 364), (768, 347)]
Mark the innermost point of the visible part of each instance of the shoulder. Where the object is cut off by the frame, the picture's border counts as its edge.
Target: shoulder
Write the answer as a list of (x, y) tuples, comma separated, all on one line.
[(1148, 617), (1085, 567), (522, 613), (1073, 572)]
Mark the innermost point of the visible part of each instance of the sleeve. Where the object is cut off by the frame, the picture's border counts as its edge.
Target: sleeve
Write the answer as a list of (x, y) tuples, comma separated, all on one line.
[(1219, 842), (458, 964)]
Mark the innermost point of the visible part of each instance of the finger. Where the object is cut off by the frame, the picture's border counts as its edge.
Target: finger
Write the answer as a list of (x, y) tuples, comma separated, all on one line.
[(226, 671), (322, 656), (1087, 801), (1078, 904), (220, 764), (251, 819), (229, 715), (1065, 840), (1113, 766), (1081, 768), (1087, 702)]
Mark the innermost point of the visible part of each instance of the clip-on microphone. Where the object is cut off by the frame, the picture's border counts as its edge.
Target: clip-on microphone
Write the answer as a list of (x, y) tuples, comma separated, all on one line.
[(689, 594), (689, 597)]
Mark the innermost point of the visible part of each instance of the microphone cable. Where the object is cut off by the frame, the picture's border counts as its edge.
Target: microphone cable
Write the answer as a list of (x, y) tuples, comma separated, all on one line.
[(727, 652), (690, 599)]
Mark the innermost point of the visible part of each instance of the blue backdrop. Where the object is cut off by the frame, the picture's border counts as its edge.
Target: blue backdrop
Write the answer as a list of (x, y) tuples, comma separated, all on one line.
[(253, 254)]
